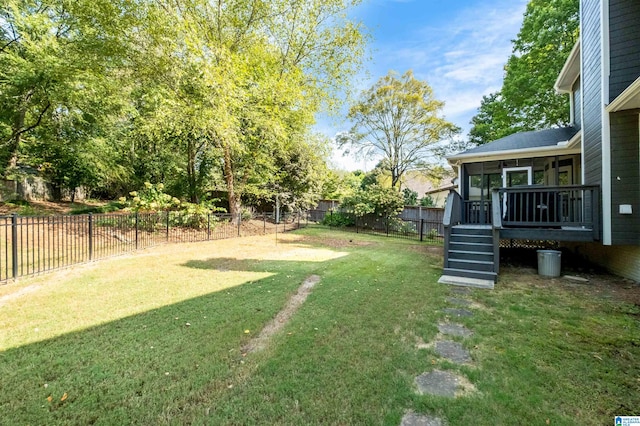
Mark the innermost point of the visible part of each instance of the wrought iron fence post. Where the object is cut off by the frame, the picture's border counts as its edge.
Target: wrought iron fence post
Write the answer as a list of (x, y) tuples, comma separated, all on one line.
[(356, 221), (421, 228), (167, 225), (264, 223), (136, 230), (386, 225), (90, 236), (298, 219), (208, 226), (14, 244), (239, 222)]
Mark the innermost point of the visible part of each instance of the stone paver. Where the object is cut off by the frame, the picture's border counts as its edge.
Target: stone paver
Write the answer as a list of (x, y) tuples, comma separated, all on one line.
[(413, 419), (436, 382), (453, 351), (454, 330), (457, 301), (458, 312)]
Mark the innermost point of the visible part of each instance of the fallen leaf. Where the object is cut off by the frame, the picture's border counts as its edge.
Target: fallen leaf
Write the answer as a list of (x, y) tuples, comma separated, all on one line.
[(247, 331), (548, 421), (187, 324), (64, 397), (49, 398)]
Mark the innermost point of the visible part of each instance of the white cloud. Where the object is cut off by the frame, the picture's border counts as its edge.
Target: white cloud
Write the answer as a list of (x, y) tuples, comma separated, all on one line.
[(462, 59)]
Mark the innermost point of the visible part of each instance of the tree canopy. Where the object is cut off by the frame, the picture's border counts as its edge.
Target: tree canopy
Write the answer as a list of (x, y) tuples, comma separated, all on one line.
[(527, 100), (399, 119), (201, 95)]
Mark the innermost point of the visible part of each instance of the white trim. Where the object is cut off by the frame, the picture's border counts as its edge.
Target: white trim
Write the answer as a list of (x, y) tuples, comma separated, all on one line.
[(572, 110), (563, 148), (570, 70), (605, 68), (620, 103), (576, 139), (582, 157), (460, 181), (528, 169)]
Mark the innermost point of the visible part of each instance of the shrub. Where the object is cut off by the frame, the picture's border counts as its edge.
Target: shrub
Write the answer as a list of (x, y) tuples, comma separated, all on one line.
[(339, 219), (382, 202)]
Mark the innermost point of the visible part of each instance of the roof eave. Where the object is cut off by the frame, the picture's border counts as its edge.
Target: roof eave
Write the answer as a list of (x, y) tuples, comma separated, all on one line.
[(628, 99), (570, 71), (562, 148)]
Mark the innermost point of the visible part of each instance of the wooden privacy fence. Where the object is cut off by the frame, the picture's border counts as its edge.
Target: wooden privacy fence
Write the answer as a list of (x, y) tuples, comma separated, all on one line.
[(34, 244)]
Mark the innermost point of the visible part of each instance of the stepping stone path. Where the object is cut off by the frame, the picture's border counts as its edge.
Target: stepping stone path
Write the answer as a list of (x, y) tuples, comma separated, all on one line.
[(445, 383), (458, 312), (459, 302), (436, 382), (453, 351), (413, 419), (454, 330)]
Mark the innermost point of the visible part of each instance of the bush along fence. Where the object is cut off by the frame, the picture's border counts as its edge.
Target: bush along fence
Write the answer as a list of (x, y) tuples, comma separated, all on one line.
[(425, 229), (34, 244)]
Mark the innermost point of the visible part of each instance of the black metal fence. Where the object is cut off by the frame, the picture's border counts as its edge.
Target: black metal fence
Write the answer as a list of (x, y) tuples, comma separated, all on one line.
[(416, 229), (35, 244)]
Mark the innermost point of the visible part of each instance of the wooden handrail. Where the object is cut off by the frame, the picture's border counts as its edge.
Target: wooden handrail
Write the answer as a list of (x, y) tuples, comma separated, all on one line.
[(452, 209), (496, 211)]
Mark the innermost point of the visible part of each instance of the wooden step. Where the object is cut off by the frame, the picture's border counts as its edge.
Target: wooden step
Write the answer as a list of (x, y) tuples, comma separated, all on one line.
[(481, 275)]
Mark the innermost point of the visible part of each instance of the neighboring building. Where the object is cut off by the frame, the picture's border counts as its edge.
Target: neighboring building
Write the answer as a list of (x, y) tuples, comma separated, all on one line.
[(438, 190), (578, 185)]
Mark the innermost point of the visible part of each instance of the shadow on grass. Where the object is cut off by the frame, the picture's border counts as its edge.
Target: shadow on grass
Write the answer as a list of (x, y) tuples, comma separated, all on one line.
[(142, 368), (182, 363)]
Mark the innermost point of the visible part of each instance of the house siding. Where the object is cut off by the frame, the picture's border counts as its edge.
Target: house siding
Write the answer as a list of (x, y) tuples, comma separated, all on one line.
[(576, 92), (619, 260), (591, 92), (624, 24), (625, 172)]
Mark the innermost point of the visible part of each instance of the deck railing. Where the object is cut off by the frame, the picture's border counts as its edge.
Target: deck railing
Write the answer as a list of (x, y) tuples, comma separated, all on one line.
[(574, 206), (477, 212)]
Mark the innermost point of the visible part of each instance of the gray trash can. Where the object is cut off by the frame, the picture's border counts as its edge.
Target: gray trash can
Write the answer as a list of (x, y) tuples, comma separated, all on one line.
[(549, 263)]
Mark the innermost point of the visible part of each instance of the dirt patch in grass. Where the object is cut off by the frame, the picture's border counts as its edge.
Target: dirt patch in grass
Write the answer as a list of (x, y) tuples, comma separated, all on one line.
[(281, 319), (328, 240), (521, 266), (45, 207)]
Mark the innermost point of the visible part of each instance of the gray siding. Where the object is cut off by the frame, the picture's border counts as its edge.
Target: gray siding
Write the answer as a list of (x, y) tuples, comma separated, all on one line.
[(577, 106), (625, 172), (591, 92), (624, 39)]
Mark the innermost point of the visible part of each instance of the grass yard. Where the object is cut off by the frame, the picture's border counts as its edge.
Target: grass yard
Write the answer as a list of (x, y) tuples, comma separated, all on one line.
[(157, 337)]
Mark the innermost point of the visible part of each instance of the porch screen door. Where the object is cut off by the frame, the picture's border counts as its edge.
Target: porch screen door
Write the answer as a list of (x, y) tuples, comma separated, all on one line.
[(515, 176)]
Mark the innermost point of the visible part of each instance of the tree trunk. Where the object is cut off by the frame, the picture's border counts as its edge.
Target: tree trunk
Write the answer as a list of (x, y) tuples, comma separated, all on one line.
[(14, 144), (234, 198), (191, 172)]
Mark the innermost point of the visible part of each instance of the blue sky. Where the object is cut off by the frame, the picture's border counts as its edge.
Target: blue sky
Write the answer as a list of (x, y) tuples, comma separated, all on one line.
[(459, 47)]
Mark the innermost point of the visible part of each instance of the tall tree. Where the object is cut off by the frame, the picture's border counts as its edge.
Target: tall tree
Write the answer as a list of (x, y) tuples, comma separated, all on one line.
[(492, 120), (55, 58), (262, 71), (527, 100), (399, 119)]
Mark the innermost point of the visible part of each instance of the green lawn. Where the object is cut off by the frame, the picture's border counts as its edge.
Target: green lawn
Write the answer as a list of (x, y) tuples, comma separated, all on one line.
[(157, 337)]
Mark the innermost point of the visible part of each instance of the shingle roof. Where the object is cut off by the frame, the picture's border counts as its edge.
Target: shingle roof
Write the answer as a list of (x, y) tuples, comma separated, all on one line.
[(526, 140)]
